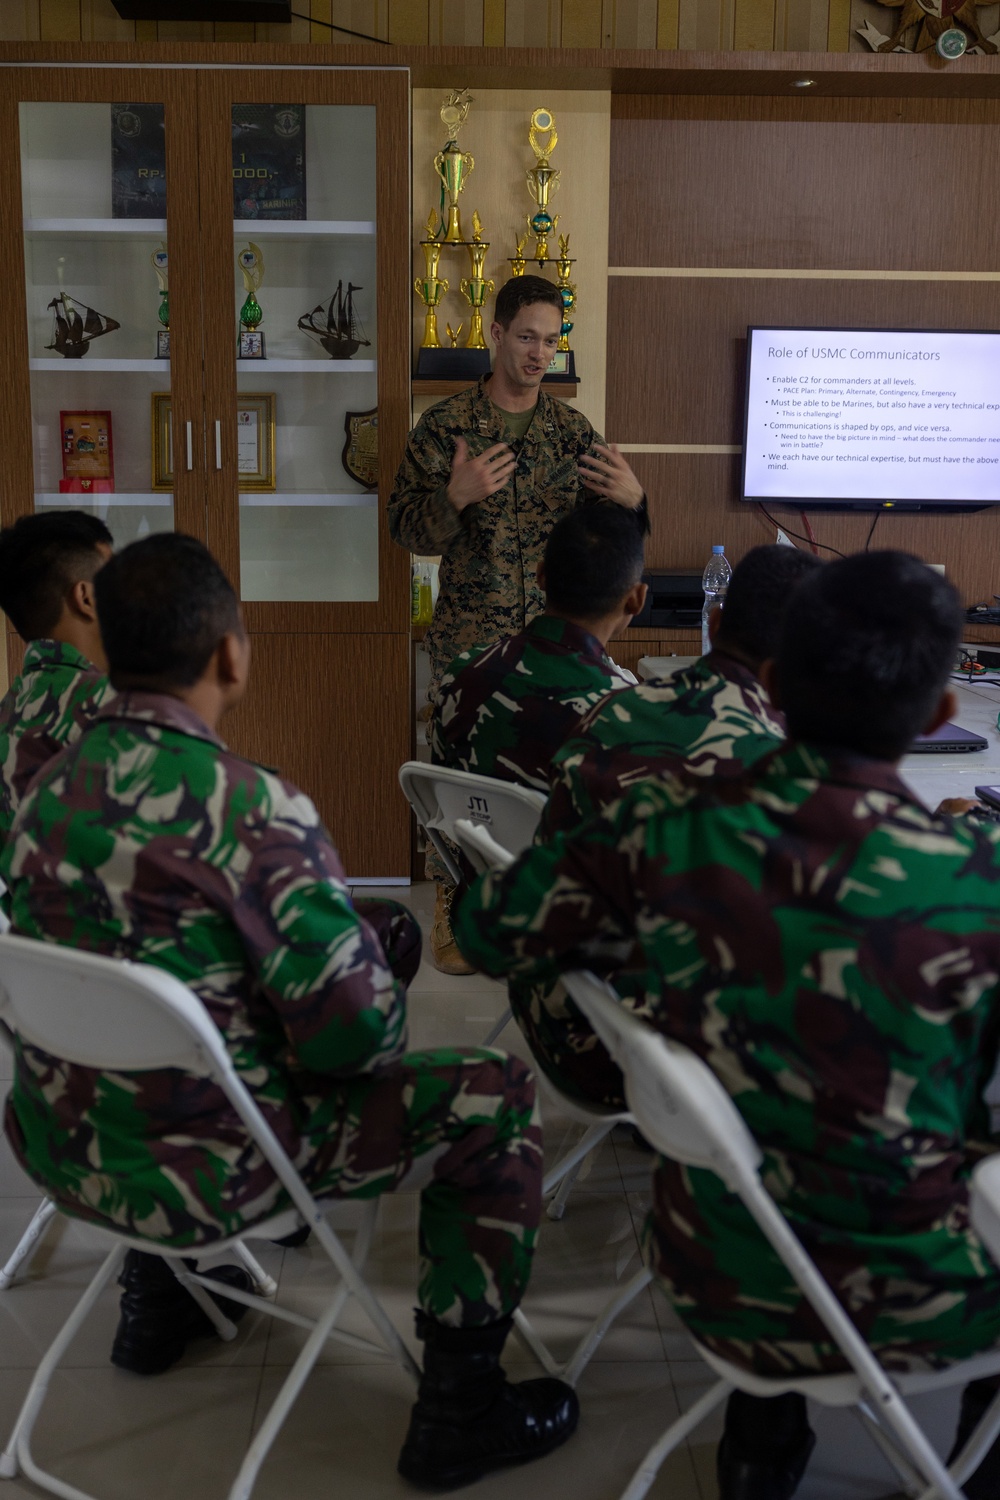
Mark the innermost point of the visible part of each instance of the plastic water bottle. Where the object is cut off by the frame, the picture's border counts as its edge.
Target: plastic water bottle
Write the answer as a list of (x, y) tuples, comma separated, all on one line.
[(715, 582)]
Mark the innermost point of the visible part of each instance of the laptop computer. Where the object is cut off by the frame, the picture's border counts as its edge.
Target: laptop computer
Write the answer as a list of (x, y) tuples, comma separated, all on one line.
[(949, 739)]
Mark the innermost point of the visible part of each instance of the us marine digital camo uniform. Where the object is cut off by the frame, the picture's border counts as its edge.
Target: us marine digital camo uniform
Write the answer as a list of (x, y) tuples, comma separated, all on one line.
[(711, 719), (490, 551), (832, 950), (56, 694), (149, 840), (504, 710)]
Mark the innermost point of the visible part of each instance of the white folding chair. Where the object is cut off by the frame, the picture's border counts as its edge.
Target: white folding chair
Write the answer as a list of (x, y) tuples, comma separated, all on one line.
[(477, 844), (24, 1251), (684, 1111), (439, 797), (122, 1017)]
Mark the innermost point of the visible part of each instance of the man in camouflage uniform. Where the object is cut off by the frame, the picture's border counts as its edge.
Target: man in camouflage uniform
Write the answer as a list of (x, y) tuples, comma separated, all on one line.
[(711, 719), (149, 840), (47, 567), (832, 949), (504, 710), (485, 476)]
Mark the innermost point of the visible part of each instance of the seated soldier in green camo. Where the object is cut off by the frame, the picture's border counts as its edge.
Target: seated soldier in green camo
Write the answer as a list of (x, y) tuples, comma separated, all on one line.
[(831, 948), (502, 710), (47, 567), (149, 839), (712, 719)]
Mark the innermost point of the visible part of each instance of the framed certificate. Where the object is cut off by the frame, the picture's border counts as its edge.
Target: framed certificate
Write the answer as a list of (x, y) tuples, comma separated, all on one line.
[(254, 441), (88, 460)]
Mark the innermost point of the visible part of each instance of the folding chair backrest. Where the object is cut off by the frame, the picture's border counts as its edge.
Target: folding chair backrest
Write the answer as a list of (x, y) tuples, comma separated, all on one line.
[(678, 1103), (113, 1015), (440, 796)]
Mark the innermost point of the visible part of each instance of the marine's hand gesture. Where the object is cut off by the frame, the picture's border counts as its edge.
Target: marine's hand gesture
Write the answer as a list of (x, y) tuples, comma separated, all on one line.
[(607, 473), (475, 479)]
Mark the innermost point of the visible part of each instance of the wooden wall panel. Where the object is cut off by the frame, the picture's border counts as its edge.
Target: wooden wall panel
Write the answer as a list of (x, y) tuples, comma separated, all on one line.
[(901, 203), (688, 385), (319, 713), (828, 186)]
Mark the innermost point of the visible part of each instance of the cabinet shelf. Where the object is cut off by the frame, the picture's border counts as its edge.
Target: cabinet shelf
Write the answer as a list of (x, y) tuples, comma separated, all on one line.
[(104, 366), (250, 498), (302, 229), (95, 226), (306, 366), (114, 497)]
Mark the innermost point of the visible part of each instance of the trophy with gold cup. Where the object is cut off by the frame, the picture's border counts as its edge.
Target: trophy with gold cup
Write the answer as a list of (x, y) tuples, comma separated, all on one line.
[(443, 233), (543, 182)]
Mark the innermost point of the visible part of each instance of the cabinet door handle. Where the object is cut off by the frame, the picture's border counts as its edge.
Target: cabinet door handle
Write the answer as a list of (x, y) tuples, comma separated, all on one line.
[(190, 445), (218, 445)]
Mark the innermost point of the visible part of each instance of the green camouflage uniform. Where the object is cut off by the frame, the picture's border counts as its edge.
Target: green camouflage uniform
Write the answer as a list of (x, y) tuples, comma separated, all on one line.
[(149, 840), (490, 551), (504, 710), (832, 950), (48, 706), (710, 719)]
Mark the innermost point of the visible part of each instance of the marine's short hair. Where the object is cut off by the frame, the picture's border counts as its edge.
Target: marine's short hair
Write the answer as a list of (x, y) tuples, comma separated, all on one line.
[(593, 556), (525, 291), (866, 648), (762, 584), (41, 558), (163, 605)]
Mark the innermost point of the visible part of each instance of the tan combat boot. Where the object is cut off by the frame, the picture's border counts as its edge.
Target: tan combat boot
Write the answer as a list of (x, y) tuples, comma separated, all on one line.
[(444, 949)]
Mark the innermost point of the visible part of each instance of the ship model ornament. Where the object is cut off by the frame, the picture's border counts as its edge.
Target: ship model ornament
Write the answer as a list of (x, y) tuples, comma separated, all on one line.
[(335, 326), (251, 263), (76, 326)]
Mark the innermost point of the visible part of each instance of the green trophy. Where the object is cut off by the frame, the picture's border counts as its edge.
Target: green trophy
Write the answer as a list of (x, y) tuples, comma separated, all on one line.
[(543, 180), (159, 260), (251, 263), (474, 288)]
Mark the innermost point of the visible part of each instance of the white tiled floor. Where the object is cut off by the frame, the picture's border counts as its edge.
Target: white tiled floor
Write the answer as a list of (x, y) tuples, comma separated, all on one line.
[(180, 1436)]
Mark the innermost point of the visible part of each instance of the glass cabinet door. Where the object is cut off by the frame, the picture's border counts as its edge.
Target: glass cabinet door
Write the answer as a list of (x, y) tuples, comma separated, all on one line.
[(98, 289), (299, 171)]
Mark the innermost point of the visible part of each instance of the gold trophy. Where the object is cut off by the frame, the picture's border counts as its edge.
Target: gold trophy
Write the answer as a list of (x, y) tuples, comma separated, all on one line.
[(251, 263), (454, 334), (543, 181), (452, 164), (159, 261), (430, 288), (567, 288), (517, 260), (473, 287)]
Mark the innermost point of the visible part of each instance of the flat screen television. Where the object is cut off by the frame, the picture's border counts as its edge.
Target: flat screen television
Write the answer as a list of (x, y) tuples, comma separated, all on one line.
[(867, 418)]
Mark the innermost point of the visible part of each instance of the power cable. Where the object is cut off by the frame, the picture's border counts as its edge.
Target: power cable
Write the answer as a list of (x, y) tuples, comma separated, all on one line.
[(810, 542), (361, 35)]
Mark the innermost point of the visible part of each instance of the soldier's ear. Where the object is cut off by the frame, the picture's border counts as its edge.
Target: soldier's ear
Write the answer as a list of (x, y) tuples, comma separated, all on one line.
[(946, 709), (635, 599), (767, 676), (80, 600)]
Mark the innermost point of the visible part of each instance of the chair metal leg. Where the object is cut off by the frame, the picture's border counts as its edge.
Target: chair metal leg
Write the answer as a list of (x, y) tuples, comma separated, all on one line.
[(224, 1327), (28, 1243), (647, 1471), (616, 1305), (18, 1450), (526, 1333), (894, 1412), (265, 1284), (913, 1483), (565, 1172), (496, 1029), (978, 1445)]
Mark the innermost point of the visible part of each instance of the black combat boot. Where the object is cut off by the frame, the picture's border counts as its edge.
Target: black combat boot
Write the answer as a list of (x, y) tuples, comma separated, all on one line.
[(468, 1418), (765, 1447), (159, 1317), (984, 1484)]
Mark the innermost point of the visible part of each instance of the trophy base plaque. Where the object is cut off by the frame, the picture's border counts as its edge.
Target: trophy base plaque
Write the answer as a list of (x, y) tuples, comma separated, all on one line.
[(563, 366), (163, 343), (251, 344), (452, 364)]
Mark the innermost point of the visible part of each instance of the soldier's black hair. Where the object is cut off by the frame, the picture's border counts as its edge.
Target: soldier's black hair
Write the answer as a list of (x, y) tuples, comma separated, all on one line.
[(163, 605), (525, 291), (592, 558), (41, 558), (760, 588), (866, 648)]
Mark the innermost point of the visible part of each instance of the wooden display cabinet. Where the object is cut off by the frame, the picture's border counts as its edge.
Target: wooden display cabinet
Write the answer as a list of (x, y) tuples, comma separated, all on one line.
[(324, 592)]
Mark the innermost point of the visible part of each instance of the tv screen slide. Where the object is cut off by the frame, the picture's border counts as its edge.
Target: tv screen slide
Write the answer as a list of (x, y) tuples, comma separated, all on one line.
[(872, 416)]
